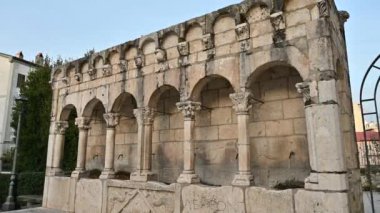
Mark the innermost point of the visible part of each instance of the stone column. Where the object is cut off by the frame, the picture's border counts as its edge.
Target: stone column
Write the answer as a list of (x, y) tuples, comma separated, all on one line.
[(83, 126), (60, 129), (242, 104), (143, 171), (188, 109), (325, 141), (112, 119)]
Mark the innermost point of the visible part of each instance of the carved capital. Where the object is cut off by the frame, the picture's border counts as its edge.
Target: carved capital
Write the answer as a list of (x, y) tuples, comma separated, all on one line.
[(324, 8), (139, 61), (278, 24), (112, 119), (183, 48), (107, 70), (242, 31), (60, 127), (242, 102), (208, 41), (144, 115), (82, 122), (188, 108), (343, 16), (78, 76), (92, 73), (123, 66), (304, 89), (160, 55)]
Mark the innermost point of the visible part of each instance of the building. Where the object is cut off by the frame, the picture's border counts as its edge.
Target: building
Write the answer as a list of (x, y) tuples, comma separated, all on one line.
[(212, 115), (372, 135), (13, 72)]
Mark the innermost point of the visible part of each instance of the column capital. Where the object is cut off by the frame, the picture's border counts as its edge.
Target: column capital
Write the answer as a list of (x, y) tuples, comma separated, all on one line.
[(144, 115), (242, 101), (60, 127), (112, 119), (188, 108), (308, 90), (82, 122)]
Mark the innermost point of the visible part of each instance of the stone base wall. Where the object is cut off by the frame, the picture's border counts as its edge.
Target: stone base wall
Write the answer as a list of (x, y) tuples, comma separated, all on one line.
[(93, 195)]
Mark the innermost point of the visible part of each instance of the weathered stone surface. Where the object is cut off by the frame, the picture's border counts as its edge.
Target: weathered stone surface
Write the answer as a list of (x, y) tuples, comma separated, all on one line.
[(61, 193), (260, 200), (88, 196), (329, 202), (198, 198)]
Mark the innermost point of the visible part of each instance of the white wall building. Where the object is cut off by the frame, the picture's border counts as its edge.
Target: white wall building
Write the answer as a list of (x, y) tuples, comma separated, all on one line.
[(13, 72)]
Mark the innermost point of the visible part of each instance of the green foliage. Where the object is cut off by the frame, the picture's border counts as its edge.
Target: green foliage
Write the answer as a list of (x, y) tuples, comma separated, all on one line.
[(7, 160), (30, 183), (71, 144), (35, 122), (289, 184), (4, 184)]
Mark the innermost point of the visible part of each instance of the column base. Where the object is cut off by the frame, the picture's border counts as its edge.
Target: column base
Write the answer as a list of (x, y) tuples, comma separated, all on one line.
[(140, 176), (54, 172), (188, 178), (9, 204), (79, 174), (107, 174), (243, 180)]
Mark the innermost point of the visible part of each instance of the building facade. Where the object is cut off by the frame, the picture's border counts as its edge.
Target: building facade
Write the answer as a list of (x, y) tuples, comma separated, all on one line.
[(212, 114), (13, 73)]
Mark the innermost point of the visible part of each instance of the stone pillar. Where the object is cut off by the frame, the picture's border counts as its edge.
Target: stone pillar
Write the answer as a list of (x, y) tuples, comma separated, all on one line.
[(60, 129), (242, 104), (144, 117), (325, 141), (50, 150), (112, 119), (83, 126), (188, 109)]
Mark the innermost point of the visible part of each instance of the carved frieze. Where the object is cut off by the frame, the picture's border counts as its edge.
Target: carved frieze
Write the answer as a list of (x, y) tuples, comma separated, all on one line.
[(324, 8), (242, 31), (242, 102), (188, 108), (60, 127), (112, 119)]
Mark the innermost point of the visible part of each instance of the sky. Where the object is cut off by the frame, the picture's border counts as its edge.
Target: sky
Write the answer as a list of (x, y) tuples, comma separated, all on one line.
[(68, 28)]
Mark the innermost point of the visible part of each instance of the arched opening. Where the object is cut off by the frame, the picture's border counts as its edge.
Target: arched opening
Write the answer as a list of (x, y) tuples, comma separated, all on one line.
[(126, 136), (167, 138), (70, 150), (215, 132), (277, 128), (96, 137)]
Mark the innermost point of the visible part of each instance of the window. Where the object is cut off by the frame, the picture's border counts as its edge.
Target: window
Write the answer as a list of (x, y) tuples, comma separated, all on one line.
[(20, 80)]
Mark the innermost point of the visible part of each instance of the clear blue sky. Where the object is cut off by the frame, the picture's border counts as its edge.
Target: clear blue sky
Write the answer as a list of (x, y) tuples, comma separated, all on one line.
[(70, 27)]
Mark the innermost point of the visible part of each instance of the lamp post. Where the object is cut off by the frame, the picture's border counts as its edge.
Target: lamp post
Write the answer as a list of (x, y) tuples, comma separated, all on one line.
[(10, 203)]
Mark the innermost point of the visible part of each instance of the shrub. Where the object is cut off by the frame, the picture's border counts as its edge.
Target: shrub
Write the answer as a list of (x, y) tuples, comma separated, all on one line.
[(290, 184)]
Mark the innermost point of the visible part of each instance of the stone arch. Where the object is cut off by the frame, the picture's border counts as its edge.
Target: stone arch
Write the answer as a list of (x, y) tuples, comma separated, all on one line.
[(169, 43), (155, 96), (281, 56), (117, 105), (197, 89), (56, 74), (193, 35), (70, 70), (83, 66), (113, 57), (277, 126), (90, 106), (257, 11), (65, 112), (148, 46), (223, 22), (98, 61)]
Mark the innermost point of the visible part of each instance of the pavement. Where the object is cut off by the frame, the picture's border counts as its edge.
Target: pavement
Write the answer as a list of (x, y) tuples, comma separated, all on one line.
[(367, 202)]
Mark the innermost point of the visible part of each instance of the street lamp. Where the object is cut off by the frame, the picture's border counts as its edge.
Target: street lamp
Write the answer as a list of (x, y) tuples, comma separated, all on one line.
[(10, 203)]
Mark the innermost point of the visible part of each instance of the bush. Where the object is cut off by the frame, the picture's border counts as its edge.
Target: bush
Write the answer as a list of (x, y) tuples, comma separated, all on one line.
[(4, 185), (31, 183), (290, 184)]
